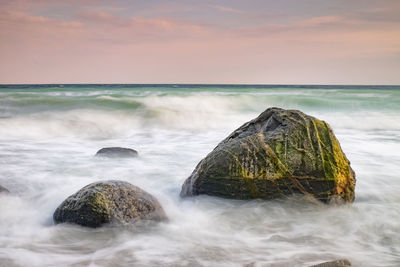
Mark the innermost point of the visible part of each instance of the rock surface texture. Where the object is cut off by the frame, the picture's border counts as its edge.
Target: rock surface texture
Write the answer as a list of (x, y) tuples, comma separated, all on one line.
[(3, 190), (109, 202), (280, 153), (114, 152), (337, 263)]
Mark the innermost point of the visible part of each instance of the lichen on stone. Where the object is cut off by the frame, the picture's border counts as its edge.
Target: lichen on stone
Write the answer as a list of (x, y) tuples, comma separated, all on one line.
[(280, 153)]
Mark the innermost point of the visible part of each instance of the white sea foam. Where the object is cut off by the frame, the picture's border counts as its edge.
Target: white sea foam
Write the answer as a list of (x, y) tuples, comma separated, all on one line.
[(366, 120), (181, 112), (47, 155)]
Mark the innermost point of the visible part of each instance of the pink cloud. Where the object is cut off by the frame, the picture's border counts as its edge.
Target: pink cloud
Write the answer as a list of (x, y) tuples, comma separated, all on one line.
[(15, 26), (99, 46), (227, 9), (118, 28), (324, 20)]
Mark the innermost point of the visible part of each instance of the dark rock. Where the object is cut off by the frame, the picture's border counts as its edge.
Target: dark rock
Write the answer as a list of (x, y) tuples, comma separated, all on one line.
[(114, 152), (3, 190), (280, 153), (337, 263), (109, 202)]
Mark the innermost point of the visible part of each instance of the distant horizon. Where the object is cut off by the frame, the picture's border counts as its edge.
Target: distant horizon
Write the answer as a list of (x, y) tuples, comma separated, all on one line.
[(198, 84)]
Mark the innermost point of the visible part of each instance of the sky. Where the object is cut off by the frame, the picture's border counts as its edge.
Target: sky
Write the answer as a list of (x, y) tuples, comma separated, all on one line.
[(208, 41)]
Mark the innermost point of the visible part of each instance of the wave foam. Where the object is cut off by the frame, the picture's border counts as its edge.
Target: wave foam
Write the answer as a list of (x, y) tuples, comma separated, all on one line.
[(110, 116)]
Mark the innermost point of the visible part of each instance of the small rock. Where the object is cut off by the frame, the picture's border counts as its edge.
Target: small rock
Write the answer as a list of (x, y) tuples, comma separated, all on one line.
[(337, 263), (114, 152), (109, 202), (3, 190)]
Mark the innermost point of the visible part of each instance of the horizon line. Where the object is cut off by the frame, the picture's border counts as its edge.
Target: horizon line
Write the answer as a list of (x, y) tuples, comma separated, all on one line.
[(198, 84)]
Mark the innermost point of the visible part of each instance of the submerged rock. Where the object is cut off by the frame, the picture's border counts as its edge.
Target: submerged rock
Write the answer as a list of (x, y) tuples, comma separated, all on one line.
[(3, 190), (109, 202), (114, 152), (280, 153), (337, 263)]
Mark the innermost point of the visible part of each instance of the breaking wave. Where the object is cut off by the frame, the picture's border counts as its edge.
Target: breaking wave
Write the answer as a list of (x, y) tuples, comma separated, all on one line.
[(107, 114)]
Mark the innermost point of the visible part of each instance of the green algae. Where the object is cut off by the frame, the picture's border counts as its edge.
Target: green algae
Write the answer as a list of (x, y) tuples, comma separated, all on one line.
[(282, 152), (109, 202)]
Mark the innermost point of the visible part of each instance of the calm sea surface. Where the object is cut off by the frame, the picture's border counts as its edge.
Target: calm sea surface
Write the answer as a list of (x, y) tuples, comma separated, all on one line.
[(49, 135)]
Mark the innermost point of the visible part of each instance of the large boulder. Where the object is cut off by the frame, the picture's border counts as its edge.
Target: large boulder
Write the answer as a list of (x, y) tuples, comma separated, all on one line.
[(115, 152), (337, 263), (3, 190), (280, 153), (109, 202)]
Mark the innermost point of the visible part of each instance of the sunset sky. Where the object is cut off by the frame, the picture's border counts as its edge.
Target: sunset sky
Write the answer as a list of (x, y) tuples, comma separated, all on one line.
[(236, 41)]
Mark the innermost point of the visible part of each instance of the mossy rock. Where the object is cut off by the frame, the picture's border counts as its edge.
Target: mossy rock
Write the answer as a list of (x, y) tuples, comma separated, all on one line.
[(117, 152), (109, 202), (280, 153)]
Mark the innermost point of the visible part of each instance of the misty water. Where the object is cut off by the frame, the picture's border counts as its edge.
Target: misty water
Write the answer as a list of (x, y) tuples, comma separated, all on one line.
[(49, 135)]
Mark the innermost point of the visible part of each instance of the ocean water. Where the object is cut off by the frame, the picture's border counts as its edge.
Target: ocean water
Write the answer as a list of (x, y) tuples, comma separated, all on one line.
[(49, 135)]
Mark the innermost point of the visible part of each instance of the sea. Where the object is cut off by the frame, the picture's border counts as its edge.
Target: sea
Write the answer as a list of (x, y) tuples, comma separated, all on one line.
[(49, 135)]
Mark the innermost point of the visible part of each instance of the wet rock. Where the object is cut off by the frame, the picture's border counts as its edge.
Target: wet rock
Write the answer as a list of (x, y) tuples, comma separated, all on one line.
[(280, 153), (337, 263), (109, 202), (114, 152), (3, 190)]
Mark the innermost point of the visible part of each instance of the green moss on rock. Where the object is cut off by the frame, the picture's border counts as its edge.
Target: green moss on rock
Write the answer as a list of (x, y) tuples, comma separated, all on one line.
[(280, 153), (109, 202)]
